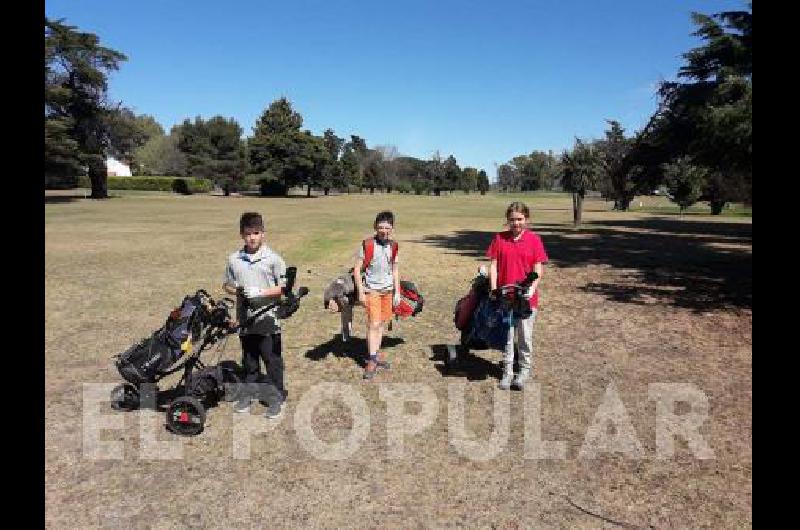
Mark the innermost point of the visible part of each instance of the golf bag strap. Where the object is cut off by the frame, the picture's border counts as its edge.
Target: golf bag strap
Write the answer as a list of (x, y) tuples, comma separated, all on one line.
[(369, 250)]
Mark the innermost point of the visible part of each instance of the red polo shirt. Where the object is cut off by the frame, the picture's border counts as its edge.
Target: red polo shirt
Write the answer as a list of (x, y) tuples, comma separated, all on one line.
[(515, 259)]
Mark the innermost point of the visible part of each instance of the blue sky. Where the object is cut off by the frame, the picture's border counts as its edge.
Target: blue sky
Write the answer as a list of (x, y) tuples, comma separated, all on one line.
[(484, 81)]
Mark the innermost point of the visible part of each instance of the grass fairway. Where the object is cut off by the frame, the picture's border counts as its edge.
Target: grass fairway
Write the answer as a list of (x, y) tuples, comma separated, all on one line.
[(629, 301)]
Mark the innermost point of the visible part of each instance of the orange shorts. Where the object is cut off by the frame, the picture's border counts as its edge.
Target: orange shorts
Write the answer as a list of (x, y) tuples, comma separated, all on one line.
[(379, 307)]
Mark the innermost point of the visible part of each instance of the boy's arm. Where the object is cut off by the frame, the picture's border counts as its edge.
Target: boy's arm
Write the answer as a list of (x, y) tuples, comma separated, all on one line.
[(229, 284), (276, 291), (279, 277)]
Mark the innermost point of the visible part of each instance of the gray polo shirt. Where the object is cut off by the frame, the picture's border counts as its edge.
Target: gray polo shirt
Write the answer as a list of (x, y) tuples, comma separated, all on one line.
[(378, 276), (263, 269)]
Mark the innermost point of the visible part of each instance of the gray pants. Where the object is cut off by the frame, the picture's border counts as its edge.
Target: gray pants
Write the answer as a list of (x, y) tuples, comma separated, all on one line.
[(523, 331)]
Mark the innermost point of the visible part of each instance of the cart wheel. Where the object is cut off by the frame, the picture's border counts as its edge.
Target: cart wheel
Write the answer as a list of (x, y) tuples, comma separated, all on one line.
[(186, 416), (232, 384), (125, 397)]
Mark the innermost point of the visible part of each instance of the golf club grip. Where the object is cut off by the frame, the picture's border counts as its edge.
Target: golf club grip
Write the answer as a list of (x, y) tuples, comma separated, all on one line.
[(291, 275)]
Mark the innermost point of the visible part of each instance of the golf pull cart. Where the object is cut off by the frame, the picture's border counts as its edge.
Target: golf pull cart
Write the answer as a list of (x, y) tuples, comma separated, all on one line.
[(199, 323)]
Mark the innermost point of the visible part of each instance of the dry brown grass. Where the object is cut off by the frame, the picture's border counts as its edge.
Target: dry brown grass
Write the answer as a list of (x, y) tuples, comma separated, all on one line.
[(632, 299)]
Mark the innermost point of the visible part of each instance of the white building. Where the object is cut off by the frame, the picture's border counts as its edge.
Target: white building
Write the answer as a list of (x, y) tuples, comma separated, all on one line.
[(115, 168)]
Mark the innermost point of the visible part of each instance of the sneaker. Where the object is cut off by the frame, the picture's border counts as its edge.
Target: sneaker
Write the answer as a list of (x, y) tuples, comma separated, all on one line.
[(243, 405), (505, 382), (519, 381), (382, 362), (371, 369), (274, 410)]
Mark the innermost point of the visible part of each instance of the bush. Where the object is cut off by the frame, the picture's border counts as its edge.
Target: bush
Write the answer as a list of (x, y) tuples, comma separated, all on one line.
[(420, 187), (60, 182), (403, 187), (180, 186), (271, 188), (251, 182), (193, 185)]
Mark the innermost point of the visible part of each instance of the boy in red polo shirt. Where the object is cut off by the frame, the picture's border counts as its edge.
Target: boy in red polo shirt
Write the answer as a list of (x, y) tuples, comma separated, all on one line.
[(515, 253)]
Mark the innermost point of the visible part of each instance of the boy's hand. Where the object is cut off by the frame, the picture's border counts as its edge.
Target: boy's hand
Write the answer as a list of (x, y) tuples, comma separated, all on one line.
[(362, 298), (396, 299)]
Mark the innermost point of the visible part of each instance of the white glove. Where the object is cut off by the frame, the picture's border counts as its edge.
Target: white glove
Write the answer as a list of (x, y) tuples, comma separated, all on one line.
[(253, 292), (531, 290), (395, 299)]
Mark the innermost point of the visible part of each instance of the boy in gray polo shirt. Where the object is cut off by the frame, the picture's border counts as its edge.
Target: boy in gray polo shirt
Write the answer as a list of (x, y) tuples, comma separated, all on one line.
[(379, 288), (257, 276)]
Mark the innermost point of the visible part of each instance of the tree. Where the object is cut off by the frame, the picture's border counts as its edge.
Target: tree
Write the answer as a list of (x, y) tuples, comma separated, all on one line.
[(161, 156), (228, 151), (278, 118), (76, 105), (350, 166), (332, 171), (469, 179), (354, 161), (214, 148), (580, 171), (452, 174), (374, 170), (62, 162), (311, 159), (194, 142), (276, 143), (507, 177), (685, 181), (616, 176), (360, 155), (483, 182), (434, 173), (411, 172), (129, 132), (709, 117), (388, 160)]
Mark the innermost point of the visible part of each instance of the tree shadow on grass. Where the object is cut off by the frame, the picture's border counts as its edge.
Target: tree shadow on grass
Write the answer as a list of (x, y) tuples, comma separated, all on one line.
[(698, 265)]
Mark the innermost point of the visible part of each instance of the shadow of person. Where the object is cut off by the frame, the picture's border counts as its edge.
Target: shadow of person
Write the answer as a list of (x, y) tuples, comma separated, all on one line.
[(355, 348), (466, 364)]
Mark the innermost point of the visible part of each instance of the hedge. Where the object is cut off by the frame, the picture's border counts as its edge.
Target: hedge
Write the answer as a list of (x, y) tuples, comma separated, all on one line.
[(195, 185)]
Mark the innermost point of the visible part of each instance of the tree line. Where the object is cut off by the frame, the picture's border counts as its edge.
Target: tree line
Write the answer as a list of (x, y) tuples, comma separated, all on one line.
[(697, 146), (83, 127)]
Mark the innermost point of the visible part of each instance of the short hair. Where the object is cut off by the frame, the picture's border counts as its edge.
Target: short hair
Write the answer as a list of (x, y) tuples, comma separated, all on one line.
[(518, 207), (251, 220), (385, 216)]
